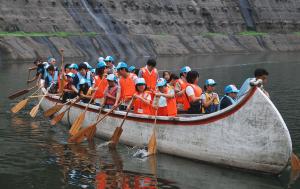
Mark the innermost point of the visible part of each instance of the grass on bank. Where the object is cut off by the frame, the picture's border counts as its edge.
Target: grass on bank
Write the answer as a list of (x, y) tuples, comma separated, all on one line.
[(252, 33), (46, 34)]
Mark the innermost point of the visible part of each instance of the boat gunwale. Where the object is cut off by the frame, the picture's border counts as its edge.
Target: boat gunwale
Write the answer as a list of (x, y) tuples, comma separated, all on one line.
[(202, 119)]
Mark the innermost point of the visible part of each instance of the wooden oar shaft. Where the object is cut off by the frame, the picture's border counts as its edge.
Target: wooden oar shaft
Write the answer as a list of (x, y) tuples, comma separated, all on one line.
[(20, 93)]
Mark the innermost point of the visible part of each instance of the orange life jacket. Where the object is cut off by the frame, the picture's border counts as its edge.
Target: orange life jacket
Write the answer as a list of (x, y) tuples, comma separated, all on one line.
[(197, 91), (141, 107), (101, 179), (101, 84), (183, 99), (127, 87), (150, 77), (170, 109)]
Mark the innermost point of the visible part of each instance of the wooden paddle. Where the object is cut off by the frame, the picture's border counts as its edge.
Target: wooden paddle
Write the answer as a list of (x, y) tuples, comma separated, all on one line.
[(22, 104), (59, 117), (152, 145), (114, 140), (295, 162), (20, 93), (62, 79), (54, 109), (35, 109), (90, 131), (78, 122)]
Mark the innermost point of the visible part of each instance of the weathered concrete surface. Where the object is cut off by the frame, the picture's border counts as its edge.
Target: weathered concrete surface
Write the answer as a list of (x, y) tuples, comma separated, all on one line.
[(131, 28)]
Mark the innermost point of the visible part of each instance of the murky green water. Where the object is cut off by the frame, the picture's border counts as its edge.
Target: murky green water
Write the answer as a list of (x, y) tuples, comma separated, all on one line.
[(35, 155)]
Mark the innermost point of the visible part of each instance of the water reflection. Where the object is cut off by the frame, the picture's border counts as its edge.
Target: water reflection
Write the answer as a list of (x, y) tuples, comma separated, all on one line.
[(36, 155)]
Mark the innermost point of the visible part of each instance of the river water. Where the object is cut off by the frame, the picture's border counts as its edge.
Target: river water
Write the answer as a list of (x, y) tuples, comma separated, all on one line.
[(35, 155)]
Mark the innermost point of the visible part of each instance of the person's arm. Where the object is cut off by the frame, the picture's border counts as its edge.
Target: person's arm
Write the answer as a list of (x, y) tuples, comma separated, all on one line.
[(208, 102), (191, 95), (140, 75), (74, 89), (118, 96), (165, 95), (147, 101), (130, 103)]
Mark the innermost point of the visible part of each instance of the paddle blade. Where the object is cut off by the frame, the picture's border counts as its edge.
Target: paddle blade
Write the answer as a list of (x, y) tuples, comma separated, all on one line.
[(57, 118), (19, 106), (77, 124), (18, 93), (115, 137), (53, 110), (34, 110), (295, 162), (152, 146), (87, 132)]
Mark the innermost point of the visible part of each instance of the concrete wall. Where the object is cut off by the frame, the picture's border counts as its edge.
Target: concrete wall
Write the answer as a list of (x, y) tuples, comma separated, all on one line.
[(130, 28)]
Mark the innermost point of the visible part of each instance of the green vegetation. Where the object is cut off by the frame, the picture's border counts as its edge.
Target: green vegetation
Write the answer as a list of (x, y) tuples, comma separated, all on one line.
[(252, 33), (297, 33), (211, 34), (45, 34)]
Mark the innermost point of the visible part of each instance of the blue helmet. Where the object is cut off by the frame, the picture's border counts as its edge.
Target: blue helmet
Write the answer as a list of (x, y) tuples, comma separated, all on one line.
[(131, 68), (231, 89), (73, 66), (70, 74), (101, 64), (161, 82), (121, 65), (109, 59), (210, 82), (185, 69), (88, 65)]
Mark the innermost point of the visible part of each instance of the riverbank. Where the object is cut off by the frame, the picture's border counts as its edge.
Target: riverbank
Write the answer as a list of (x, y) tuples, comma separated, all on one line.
[(29, 45)]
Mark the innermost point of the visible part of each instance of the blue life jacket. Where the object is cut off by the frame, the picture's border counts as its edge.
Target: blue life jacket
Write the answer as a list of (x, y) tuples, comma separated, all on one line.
[(233, 101), (88, 77), (51, 79)]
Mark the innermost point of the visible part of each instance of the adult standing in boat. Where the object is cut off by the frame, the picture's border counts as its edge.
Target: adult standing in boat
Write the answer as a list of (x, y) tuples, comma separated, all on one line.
[(150, 74), (165, 101), (110, 93), (126, 84), (193, 92), (100, 82), (142, 98), (180, 85), (260, 77), (209, 99), (230, 96), (109, 60)]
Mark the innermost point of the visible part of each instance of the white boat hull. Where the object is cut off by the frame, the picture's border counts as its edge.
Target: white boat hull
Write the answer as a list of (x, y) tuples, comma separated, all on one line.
[(249, 135)]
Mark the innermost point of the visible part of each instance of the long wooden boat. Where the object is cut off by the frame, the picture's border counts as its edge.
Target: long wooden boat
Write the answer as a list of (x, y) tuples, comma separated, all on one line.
[(249, 135)]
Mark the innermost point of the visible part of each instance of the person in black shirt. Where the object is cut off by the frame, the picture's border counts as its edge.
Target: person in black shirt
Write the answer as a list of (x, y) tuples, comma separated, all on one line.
[(230, 96)]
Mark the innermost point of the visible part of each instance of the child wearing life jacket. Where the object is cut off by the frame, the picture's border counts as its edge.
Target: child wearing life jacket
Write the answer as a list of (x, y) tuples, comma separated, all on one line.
[(126, 84), (180, 85), (150, 74), (70, 90), (210, 99), (110, 93), (230, 96), (165, 101), (142, 98), (52, 79), (193, 92), (84, 91), (100, 82)]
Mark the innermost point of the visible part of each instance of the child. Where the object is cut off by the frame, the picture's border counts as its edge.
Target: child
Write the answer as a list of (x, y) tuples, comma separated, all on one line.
[(166, 105), (142, 98), (110, 93), (210, 99)]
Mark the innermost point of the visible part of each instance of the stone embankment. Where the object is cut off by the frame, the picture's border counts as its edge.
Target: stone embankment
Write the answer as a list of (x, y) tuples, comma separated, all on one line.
[(132, 28)]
